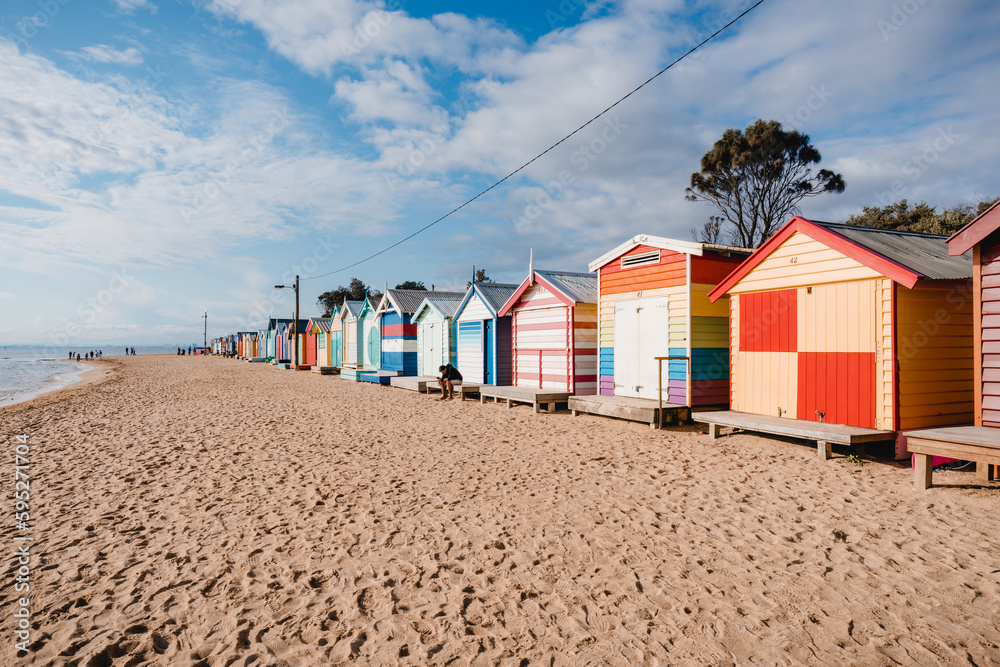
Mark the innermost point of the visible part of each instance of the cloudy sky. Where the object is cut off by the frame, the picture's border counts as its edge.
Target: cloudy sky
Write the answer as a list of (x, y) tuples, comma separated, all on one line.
[(163, 158)]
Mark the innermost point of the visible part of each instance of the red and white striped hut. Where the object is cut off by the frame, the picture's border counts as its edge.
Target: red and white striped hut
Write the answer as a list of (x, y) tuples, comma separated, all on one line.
[(554, 331)]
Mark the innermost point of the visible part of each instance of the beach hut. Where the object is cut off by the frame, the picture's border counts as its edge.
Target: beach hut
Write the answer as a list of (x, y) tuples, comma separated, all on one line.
[(484, 338), (319, 331), (349, 328), (398, 330), (336, 344), (654, 303), (437, 333), (554, 332), (845, 325), (370, 337), (979, 442), (316, 328)]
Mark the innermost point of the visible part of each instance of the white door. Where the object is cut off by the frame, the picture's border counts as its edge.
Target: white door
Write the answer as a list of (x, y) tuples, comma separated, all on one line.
[(642, 335), (428, 347)]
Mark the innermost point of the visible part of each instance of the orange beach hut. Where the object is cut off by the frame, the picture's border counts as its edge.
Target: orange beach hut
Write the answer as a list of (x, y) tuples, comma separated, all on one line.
[(855, 326)]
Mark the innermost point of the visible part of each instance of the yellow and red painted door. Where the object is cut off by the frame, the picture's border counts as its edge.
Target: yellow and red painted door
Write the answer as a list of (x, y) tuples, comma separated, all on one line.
[(808, 353)]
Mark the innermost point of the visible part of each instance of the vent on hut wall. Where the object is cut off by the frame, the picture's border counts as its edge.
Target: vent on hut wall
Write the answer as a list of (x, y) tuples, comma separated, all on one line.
[(641, 259)]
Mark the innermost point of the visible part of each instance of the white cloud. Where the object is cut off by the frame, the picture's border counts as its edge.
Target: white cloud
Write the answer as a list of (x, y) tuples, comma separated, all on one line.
[(102, 53), (129, 6)]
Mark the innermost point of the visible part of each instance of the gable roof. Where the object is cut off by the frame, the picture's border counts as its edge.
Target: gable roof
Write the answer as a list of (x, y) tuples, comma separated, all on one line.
[(982, 226), (570, 288), (493, 296), (408, 300), (905, 257), (446, 307), (686, 247), (319, 324), (352, 308)]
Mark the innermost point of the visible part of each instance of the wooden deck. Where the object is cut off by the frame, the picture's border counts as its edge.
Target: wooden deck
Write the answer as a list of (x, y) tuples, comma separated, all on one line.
[(825, 435), (325, 370), (377, 377), (968, 443), (353, 374), (533, 397), (256, 360), (632, 409), (414, 383)]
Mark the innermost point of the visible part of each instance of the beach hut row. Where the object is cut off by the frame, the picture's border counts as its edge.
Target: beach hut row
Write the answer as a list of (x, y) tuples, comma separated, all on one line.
[(829, 332)]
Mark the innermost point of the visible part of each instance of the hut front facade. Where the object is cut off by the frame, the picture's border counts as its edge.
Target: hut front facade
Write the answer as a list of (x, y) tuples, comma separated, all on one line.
[(848, 325), (369, 337), (654, 303), (336, 338), (484, 338), (437, 334), (554, 331), (349, 327), (319, 330), (397, 307)]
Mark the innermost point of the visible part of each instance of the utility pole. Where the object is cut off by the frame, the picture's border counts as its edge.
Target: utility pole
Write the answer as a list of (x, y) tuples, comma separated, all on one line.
[(295, 322), (295, 326), (204, 345)]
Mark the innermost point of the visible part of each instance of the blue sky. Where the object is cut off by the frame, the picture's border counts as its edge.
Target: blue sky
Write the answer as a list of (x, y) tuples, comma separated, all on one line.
[(163, 158)]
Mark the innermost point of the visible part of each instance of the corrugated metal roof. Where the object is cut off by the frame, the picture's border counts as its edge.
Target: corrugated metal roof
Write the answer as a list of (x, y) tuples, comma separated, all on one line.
[(924, 253), (447, 306), (353, 307), (581, 287), (322, 325), (496, 294), (408, 300)]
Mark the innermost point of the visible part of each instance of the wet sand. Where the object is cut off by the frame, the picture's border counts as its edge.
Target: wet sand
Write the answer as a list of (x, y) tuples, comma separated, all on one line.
[(213, 512)]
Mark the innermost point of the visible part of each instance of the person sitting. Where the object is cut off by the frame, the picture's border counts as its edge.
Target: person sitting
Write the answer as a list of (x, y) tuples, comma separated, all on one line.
[(449, 378)]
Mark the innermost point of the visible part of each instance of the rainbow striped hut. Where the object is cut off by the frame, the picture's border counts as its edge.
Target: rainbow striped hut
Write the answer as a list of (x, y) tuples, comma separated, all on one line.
[(654, 303)]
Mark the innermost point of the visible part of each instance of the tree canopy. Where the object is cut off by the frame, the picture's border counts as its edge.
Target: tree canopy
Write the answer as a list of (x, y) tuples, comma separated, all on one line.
[(921, 217), (757, 178), (357, 290), (481, 277), (412, 284)]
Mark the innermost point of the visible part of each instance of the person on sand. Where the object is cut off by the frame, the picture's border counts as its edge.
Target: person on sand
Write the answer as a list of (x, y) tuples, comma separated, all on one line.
[(449, 378)]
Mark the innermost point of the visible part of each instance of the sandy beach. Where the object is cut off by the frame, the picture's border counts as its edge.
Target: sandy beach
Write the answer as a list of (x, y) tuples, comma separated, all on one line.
[(207, 511)]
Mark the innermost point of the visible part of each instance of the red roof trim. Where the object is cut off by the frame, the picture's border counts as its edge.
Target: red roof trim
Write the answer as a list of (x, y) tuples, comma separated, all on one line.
[(982, 226), (873, 260), (528, 282)]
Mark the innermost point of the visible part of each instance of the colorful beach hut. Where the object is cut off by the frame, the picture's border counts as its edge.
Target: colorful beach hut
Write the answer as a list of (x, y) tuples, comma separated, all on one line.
[(322, 348), (484, 338), (370, 338), (847, 325), (399, 332), (437, 333), (554, 331), (979, 442), (311, 339), (349, 327), (654, 303)]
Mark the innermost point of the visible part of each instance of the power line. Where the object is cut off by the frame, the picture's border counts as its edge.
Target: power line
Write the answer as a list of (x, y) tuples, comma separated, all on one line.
[(546, 151)]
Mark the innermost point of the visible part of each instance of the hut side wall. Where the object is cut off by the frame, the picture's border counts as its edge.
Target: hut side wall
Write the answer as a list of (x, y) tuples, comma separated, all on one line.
[(399, 343), (935, 348), (885, 370), (541, 341), (584, 346)]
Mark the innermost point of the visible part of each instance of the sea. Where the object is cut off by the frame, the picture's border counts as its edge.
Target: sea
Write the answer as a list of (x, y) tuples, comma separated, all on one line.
[(26, 372)]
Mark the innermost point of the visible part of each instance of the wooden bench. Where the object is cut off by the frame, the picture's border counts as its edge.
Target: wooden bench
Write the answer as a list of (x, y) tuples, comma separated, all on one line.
[(628, 408), (534, 397), (968, 443), (825, 435)]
